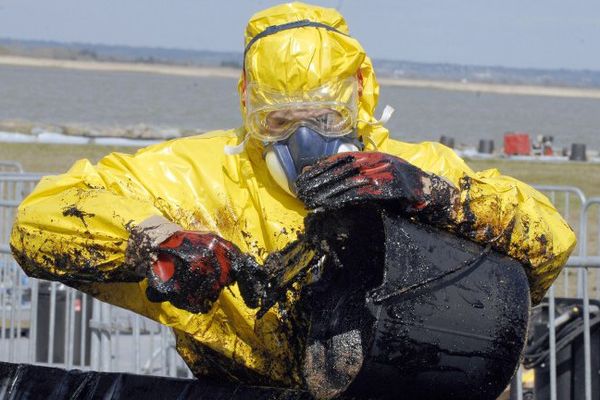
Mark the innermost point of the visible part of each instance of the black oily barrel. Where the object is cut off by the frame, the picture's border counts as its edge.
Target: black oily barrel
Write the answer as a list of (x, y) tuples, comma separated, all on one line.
[(444, 318), (453, 334), (447, 141), (578, 152), (485, 146)]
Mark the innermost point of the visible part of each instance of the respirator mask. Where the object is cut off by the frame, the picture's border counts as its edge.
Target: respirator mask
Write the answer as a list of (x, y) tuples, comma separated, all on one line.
[(298, 129)]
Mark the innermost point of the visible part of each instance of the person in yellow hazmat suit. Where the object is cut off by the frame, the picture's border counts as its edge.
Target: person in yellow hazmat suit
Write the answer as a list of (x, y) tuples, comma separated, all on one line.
[(163, 231)]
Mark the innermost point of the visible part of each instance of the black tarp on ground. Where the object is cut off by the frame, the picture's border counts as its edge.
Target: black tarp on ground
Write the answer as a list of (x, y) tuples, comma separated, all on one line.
[(32, 382)]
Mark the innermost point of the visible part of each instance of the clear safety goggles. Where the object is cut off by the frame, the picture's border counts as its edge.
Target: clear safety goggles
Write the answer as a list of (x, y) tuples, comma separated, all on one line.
[(331, 110)]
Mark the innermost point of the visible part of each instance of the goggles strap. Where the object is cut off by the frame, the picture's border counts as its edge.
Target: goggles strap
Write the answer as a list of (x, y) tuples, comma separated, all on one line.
[(238, 148)]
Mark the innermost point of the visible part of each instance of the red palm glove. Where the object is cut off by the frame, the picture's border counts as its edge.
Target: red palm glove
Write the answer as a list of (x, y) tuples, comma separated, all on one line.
[(191, 270), (361, 177)]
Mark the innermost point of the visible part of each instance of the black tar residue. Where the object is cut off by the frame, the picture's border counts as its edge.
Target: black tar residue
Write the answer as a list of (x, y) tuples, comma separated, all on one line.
[(73, 211)]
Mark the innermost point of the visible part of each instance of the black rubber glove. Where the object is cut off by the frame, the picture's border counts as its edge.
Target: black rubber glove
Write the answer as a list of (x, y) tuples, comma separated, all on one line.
[(361, 177), (192, 268)]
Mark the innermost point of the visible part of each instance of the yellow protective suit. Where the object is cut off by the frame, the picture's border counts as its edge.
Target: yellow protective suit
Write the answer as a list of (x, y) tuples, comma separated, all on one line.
[(75, 227)]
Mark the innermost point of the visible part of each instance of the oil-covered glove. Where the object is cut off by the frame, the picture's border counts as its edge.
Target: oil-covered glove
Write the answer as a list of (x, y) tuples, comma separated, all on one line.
[(362, 177), (191, 269)]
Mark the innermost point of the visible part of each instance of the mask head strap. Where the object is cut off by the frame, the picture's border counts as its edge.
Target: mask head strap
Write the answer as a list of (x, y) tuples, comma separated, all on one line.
[(289, 25)]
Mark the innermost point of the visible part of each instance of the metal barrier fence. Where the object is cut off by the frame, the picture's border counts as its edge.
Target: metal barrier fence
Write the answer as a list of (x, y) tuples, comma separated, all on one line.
[(48, 323), (578, 280), (10, 166)]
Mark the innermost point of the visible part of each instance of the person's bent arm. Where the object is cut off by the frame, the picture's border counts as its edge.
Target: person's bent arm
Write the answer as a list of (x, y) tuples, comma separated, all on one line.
[(517, 220), (97, 226), (75, 227), (511, 215)]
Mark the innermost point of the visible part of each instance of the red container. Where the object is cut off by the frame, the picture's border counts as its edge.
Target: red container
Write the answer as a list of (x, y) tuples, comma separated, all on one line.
[(517, 143)]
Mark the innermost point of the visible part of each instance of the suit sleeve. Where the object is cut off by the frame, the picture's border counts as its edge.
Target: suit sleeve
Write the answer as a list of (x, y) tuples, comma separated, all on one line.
[(508, 214), (75, 227)]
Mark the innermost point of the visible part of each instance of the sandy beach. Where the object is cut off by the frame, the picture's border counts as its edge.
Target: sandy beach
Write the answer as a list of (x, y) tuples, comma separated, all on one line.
[(234, 74), (162, 69)]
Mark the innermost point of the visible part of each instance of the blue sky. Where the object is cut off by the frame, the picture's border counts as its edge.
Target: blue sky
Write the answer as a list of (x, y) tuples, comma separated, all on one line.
[(515, 33)]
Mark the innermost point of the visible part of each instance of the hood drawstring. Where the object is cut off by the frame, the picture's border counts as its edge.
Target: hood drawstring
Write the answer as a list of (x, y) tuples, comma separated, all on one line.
[(386, 114)]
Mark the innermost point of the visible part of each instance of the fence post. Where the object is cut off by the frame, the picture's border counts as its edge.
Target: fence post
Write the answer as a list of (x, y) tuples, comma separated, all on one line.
[(95, 339), (586, 302)]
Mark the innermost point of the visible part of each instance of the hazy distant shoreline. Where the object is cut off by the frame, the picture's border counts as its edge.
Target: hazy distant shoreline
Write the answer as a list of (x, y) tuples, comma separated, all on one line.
[(233, 73)]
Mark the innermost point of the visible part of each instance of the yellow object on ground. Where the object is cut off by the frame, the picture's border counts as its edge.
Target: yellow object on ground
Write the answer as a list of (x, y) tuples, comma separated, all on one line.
[(75, 227)]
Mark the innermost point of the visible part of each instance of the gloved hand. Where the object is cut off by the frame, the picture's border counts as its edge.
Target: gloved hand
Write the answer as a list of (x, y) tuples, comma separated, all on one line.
[(361, 177), (191, 269)]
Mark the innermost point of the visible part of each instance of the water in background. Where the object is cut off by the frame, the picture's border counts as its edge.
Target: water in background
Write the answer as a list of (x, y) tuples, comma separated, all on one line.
[(122, 98)]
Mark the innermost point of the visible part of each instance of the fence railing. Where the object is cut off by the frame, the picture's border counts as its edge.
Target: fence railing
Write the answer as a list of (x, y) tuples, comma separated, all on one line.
[(49, 323), (558, 376), (10, 166)]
